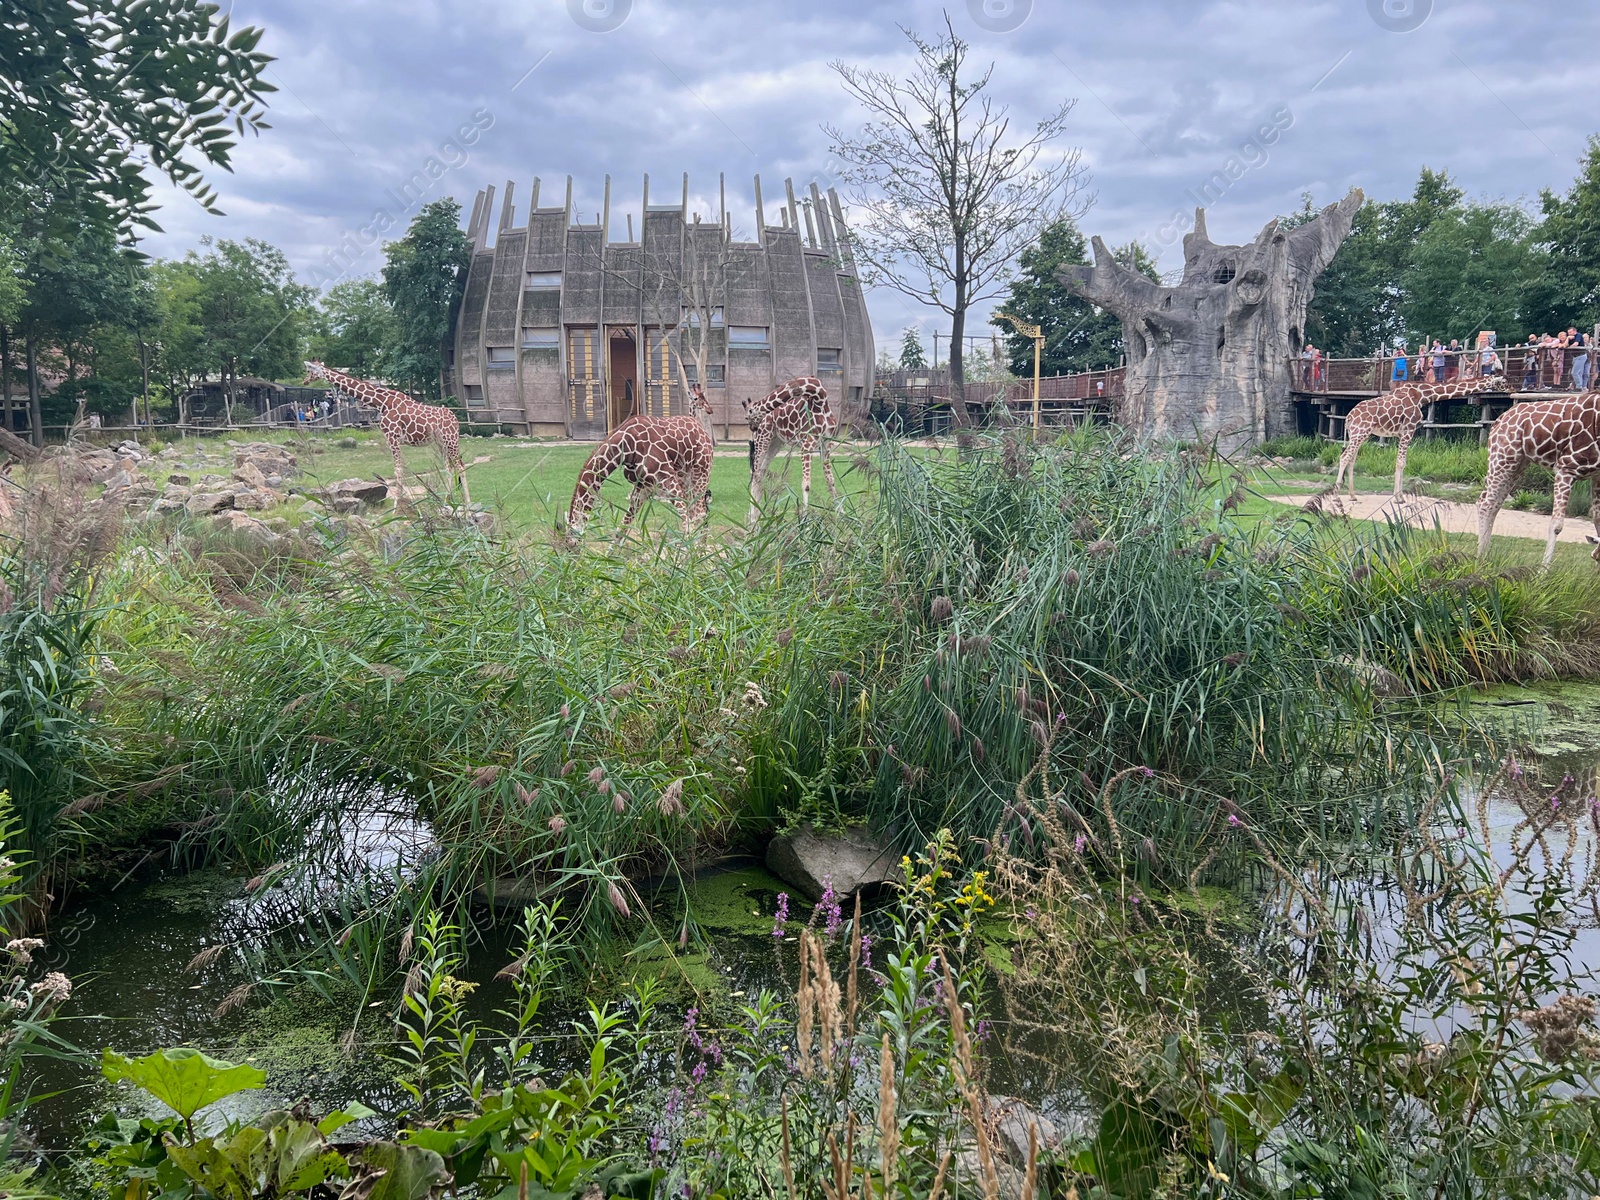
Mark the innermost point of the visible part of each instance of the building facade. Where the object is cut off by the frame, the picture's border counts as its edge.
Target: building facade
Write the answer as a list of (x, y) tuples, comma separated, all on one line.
[(563, 331)]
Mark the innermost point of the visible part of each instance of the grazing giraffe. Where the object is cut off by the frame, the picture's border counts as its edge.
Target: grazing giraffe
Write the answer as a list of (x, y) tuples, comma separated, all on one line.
[(404, 422), (667, 454), (1564, 435), (1399, 414), (796, 412)]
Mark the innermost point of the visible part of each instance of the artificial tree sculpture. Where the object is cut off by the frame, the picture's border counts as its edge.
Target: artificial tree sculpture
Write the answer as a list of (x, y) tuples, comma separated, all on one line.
[(1210, 358)]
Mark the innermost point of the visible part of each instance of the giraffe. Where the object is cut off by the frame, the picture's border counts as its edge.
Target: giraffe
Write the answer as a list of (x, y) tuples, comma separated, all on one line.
[(672, 454), (1399, 414), (404, 422), (797, 412), (1564, 435)]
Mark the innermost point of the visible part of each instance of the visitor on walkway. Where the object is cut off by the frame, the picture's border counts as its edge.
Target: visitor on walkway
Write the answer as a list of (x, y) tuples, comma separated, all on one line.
[(1439, 361), (1489, 363), (1454, 368), (1316, 368), (1530, 364), (1558, 359), (1581, 361), (1305, 366), (1400, 372)]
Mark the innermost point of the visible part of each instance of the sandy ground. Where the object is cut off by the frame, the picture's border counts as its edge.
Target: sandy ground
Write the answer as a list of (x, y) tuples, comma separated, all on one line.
[(1424, 511)]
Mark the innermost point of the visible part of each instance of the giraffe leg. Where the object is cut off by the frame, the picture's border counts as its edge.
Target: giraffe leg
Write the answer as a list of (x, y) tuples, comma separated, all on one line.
[(827, 473), (394, 448), (1399, 462), (1594, 511), (636, 498), (764, 450), (1354, 440), (1502, 476), (805, 478), (1558, 510)]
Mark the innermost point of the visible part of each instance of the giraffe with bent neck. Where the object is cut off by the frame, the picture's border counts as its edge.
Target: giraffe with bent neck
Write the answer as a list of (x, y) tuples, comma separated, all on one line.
[(1400, 414), (1564, 435), (670, 455), (404, 422), (796, 412)]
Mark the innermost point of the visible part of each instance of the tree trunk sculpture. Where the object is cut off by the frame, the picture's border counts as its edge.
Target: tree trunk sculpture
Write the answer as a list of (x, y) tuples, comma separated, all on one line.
[(1210, 358)]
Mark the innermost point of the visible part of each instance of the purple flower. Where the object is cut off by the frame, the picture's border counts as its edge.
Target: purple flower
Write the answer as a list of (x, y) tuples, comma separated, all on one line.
[(1516, 769), (866, 951), (690, 1031), (1079, 842), (1233, 819), (983, 1030), (833, 914), (699, 1072), (1148, 773), (781, 917)]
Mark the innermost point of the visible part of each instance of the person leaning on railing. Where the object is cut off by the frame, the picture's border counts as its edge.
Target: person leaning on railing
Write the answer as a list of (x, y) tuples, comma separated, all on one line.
[(1581, 361)]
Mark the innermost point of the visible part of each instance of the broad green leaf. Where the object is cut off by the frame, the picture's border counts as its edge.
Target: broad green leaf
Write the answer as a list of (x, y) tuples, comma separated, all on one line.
[(340, 1117), (386, 1171), (184, 1079)]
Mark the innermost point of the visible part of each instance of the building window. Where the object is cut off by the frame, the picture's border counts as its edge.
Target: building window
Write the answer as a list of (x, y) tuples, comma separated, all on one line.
[(535, 280), (536, 337), (748, 337), (827, 359), (716, 374), (693, 317), (474, 396), (501, 357)]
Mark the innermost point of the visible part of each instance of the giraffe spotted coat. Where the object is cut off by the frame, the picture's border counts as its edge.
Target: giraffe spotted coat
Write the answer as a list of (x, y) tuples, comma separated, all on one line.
[(796, 412), (1563, 435), (1399, 414), (670, 455), (403, 422)]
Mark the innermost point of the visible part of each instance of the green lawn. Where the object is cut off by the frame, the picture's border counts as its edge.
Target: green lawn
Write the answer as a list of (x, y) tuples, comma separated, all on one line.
[(529, 485)]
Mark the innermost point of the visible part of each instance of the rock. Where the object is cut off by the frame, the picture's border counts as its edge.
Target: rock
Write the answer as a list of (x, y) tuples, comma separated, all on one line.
[(176, 491), (212, 479), (275, 481), (266, 457), (344, 504), (256, 500), (164, 507), (364, 490), (810, 861), (249, 474), (100, 464), (179, 477), (203, 504), (118, 480), (1009, 1118), (969, 1171), (247, 527)]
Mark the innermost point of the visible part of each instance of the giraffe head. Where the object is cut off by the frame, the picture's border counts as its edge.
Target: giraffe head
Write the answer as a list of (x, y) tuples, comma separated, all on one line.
[(315, 370), (698, 402)]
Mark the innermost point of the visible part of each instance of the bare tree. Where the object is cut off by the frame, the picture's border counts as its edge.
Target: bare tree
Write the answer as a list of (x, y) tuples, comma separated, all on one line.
[(949, 197)]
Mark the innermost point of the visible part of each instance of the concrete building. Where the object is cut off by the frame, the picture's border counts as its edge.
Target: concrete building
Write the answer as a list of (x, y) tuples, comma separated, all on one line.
[(561, 328)]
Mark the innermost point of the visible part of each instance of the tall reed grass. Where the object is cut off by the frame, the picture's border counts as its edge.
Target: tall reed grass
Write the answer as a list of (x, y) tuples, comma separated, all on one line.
[(1090, 609)]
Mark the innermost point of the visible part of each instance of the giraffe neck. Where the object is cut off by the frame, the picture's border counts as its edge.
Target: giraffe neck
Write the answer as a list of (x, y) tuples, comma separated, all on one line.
[(606, 458)]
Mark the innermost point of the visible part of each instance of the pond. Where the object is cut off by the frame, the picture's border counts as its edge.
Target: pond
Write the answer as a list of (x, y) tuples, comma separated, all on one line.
[(129, 953)]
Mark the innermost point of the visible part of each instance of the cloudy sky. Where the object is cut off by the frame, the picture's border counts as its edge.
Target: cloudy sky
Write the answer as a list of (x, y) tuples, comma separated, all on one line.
[(1365, 92)]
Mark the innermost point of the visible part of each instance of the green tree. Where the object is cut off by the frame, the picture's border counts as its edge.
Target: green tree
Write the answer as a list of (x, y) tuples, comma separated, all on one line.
[(251, 312), (423, 278), (92, 92), (1078, 336), (355, 328), (911, 355), (1568, 291), (1469, 270), (75, 288), (1359, 303)]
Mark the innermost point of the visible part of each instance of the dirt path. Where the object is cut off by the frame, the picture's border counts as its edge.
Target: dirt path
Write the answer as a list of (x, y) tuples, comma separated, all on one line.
[(1423, 511)]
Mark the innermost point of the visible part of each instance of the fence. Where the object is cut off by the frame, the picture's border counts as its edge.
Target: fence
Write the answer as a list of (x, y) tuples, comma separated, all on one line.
[(1525, 368)]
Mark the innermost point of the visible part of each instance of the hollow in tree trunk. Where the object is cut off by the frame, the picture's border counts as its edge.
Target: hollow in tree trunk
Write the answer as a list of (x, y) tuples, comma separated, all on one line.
[(1210, 358)]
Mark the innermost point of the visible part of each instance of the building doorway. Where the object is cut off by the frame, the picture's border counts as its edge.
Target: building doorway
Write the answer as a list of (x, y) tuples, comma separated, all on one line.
[(622, 374), (586, 410)]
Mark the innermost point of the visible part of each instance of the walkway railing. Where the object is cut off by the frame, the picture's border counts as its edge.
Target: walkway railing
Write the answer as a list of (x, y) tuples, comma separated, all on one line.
[(1524, 368)]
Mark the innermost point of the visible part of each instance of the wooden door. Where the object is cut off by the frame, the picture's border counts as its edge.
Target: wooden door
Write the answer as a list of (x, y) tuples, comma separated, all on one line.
[(586, 393), (663, 395)]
